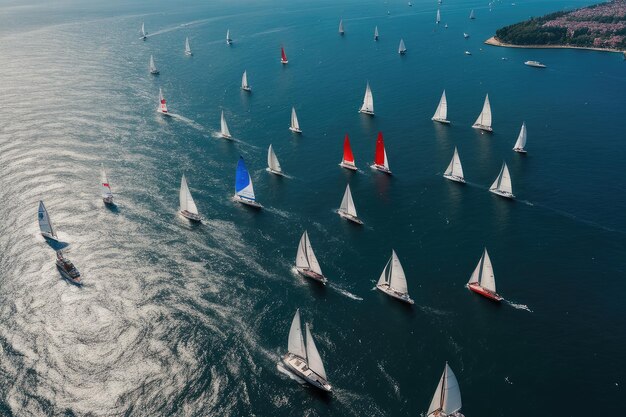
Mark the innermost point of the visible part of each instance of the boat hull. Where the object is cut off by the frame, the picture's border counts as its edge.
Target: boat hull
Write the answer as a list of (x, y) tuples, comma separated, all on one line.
[(300, 367), (191, 216), (382, 168), (154, 72), (76, 281), (482, 127), (188, 53), (284, 61), (485, 292), (247, 202), (368, 112), (248, 89), (349, 166), (229, 137), (108, 200), (295, 130), (349, 217), (273, 171), (454, 178), (520, 150), (444, 121), (164, 113), (395, 294), (503, 194), (307, 273)]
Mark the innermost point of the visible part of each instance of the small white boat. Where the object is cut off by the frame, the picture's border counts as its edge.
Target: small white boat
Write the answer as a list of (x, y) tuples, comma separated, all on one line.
[(341, 31), (224, 127), (376, 33), (152, 67), (535, 64), (381, 163), (229, 41), (445, 26), (465, 35), (521, 140), (393, 281), (273, 165), (45, 225), (347, 210), (244, 82), (468, 53), (447, 399), (67, 269), (402, 47), (187, 47), (441, 113), (306, 261), (162, 104), (107, 195), (454, 172), (244, 191), (472, 16), (410, 4), (348, 158), (303, 359), (438, 17), (294, 126), (502, 185), (188, 207), (483, 122), (144, 34), (368, 101), (483, 280)]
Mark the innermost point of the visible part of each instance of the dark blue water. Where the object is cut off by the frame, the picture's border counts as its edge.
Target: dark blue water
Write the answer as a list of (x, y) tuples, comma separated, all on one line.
[(177, 319)]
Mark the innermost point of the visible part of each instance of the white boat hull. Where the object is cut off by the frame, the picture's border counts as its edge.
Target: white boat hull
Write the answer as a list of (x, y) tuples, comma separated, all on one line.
[(482, 127), (371, 113), (273, 171), (191, 216), (381, 168), (247, 202), (307, 273), (393, 293), (156, 72), (520, 150), (348, 166), (249, 89), (295, 130), (284, 61), (229, 137), (349, 217), (108, 200), (444, 121), (299, 367), (503, 193), (454, 178)]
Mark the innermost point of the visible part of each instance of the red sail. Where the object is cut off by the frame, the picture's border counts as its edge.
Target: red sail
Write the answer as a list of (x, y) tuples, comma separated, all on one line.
[(283, 57), (379, 158), (347, 151)]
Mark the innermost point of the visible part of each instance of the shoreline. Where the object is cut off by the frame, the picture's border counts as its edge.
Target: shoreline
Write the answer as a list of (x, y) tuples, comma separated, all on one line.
[(495, 42)]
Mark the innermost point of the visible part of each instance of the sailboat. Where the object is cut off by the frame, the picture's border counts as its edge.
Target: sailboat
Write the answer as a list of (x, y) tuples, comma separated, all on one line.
[(295, 126), (348, 158), (283, 56), (441, 113), (229, 41), (347, 210), (368, 101), (303, 359), (471, 16), (153, 68), (273, 165), (187, 206), (144, 34), (67, 269), (465, 35), (447, 399), (380, 158), (187, 47), (244, 82), (162, 104), (341, 31), (392, 281), (107, 195), (483, 281), (483, 122), (306, 262), (438, 17), (402, 48), (244, 192), (502, 185), (454, 171), (376, 33), (224, 127), (45, 225), (521, 140)]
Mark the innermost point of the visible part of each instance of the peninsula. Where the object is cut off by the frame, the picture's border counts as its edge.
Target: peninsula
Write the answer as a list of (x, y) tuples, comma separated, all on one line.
[(599, 27)]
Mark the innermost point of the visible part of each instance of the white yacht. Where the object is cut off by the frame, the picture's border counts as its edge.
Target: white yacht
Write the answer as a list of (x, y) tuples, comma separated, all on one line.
[(392, 281), (535, 64)]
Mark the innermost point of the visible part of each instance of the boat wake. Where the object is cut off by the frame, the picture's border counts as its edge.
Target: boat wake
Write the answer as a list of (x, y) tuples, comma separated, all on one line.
[(281, 368), (187, 121), (345, 292), (518, 306), (394, 384)]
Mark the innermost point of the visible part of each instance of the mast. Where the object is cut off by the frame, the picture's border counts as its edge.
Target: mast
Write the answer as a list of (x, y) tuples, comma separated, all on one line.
[(484, 118), (438, 16), (341, 27), (376, 33), (187, 47), (503, 182), (244, 80), (397, 279), (294, 120)]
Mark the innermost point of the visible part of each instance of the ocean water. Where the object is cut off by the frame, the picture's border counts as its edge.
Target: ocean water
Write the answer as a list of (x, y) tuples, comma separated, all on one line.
[(181, 319)]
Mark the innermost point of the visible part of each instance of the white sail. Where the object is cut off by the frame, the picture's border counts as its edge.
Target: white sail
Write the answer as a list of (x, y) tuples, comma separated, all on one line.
[(521, 139), (386, 160), (341, 26), (313, 356), (376, 33), (296, 342), (143, 30), (228, 39), (397, 279), (187, 47), (401, 47), (484, 118), (45, 225), (294, 120), (347, 204), (306, 257), (487, 278), (224, 127), (438, 16), (447, 398), (272, 160), (442, 109), (153, 68), (503, 182), (471, 16), (185, 198), (244, 80), (368, 100), (105, 187), (455, 168)]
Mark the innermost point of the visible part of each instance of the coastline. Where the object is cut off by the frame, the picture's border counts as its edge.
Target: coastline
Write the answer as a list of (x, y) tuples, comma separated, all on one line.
[(493, 41)]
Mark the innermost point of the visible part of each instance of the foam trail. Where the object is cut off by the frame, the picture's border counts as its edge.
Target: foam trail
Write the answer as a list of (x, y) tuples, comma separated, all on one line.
[(518, 306), (345, 292), (188, 121)]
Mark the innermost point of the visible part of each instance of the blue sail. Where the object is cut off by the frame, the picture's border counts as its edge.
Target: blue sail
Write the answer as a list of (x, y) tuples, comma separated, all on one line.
[(243, 182)]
